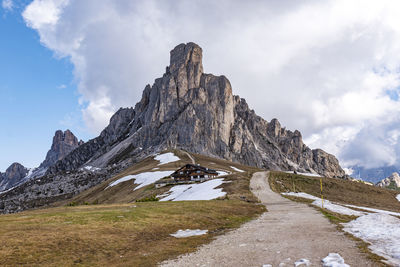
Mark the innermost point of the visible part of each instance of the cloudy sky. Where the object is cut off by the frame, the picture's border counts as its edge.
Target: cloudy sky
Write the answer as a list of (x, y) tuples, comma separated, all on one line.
[(327, 68)]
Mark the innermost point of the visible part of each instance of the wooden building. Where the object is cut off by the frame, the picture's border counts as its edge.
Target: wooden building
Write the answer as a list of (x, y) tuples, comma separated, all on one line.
[(191, 172)]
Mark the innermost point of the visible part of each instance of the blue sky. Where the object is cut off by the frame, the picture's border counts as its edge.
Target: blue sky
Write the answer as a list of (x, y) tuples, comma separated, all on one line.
[(38, 94)]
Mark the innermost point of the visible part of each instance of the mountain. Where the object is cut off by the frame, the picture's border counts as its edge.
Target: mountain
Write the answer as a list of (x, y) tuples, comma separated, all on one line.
[(393, 181), (13, 175), (373, 175), (63, 144), (191, 110), (184, 109)]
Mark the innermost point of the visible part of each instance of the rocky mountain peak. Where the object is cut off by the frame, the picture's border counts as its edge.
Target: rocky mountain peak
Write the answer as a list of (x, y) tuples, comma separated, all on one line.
[(392, 180), (16, 170), (12, 176), (188, 109), (63, 144), (185, 67)]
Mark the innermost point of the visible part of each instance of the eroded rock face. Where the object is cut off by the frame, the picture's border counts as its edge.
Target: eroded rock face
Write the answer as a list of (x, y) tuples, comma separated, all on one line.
[(191, 110), (392, 180), (13, 175), (63, 144)]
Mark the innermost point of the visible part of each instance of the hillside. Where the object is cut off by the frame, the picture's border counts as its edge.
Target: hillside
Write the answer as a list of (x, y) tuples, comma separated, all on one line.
[(89, 230)]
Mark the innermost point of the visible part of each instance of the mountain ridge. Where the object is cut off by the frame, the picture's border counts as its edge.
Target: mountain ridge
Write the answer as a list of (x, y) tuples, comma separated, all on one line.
[(191, 110), (185, 109), (63, 143)]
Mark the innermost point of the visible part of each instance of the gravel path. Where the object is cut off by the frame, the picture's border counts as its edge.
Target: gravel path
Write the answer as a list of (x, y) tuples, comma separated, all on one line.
[(288, 232)]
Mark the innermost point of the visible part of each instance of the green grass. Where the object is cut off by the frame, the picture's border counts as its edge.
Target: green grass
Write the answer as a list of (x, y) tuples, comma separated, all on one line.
[(115, 235)]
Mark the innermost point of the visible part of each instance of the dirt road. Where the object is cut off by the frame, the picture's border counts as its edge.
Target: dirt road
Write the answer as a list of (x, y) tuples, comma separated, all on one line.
[(288, 232)]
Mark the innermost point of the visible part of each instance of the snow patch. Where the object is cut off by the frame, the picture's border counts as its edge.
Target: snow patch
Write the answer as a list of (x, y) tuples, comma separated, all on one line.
[(302, 262), (374, 210), (398, 197), (334, 260), (327, 204), (382, 231), (166, 158), (236, 169), (222, 173), (188, 232), (203, 191), (305, 173), (337, 208), (142, 179), (91, 168)]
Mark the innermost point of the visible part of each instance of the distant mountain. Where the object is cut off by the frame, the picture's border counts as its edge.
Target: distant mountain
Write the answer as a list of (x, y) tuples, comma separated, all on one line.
[(13, 175), (373, 175), (185, 109), (393, 181), (63, 144)]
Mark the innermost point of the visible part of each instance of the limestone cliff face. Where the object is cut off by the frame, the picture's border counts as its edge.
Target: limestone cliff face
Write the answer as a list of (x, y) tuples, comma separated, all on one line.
[(191, 110), (63, 144), (392, 180), (12, 176)]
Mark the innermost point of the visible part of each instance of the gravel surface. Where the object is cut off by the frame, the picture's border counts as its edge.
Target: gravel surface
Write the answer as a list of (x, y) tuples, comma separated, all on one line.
[(287, 233)]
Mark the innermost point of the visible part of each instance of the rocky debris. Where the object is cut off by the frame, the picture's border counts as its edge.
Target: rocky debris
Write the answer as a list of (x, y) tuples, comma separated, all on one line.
[(392, 181), (63, 144), (190, 110), (12, 176)]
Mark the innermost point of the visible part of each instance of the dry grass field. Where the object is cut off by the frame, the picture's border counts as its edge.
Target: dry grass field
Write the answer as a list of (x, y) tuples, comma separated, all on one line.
[(115, 235), (109, 228)]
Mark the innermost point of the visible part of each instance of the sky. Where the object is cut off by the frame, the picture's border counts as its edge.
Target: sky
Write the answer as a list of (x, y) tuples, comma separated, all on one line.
[(327, 68)]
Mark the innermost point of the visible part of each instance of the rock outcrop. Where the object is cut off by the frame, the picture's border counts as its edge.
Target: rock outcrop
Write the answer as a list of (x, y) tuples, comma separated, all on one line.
[(63, 144), (392, 181), (13, 175), (191, 110), (16, 174)]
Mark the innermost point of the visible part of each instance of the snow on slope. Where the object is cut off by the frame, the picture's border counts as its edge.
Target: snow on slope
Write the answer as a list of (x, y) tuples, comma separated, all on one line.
[(202, 191), (374, 210), (236, 169), (222, 173), (398, 197), (382, 231), (188, 232), (142, 179), (306, 174), (166, 158), (327, 204)]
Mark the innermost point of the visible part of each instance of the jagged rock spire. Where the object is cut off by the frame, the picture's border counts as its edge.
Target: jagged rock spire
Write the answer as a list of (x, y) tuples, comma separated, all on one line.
[(63, 144)]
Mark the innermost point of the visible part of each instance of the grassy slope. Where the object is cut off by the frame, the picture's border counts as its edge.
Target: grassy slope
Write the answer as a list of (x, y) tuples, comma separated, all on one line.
[(237, 188), (337, 190), (118, 234), (341, 191)]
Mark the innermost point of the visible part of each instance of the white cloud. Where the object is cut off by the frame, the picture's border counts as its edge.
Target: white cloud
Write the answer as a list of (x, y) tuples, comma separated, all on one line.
[(7, 5), (327, 68)]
